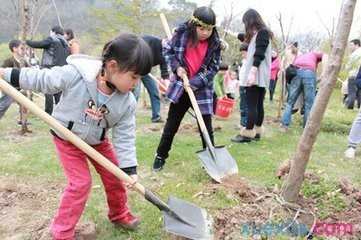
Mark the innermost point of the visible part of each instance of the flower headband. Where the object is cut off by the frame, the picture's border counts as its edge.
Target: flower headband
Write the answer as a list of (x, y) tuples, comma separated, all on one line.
[(200, 23)]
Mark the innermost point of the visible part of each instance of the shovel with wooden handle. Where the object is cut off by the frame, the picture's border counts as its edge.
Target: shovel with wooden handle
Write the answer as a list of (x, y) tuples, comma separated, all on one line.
[(165, 24), (180, 217), (217, 161), (160, 84)]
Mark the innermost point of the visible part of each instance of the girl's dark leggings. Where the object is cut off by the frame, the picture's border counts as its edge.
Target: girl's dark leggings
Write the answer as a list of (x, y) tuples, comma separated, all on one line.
[(175, 115)]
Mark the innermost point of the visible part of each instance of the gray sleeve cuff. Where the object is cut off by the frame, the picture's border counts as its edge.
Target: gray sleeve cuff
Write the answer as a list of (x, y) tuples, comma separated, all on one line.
[(130, 170), (7, 74)]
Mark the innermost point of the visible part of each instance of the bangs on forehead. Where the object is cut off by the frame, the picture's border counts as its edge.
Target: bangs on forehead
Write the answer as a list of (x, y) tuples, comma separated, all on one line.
[(131, 52), (141, 60), (206, 15)]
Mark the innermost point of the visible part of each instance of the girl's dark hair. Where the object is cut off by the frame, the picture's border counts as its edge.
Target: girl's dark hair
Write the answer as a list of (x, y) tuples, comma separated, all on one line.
[(70, 33), (253, 22), (206, 15), (132, 53), (356, 42), (243, 47), (223, 67), (241, 36)]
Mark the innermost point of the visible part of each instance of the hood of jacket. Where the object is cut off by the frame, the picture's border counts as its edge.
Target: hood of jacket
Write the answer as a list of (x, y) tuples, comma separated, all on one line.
[(87, 66)]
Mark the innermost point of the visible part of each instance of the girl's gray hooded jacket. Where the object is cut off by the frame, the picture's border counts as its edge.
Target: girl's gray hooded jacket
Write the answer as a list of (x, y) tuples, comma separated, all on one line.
[(77, 82)]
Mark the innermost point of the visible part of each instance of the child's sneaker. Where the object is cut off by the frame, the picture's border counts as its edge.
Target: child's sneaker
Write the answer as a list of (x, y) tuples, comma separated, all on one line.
[(158, 163), (350, 153), (157, 120), (128, 222), (241, 139)]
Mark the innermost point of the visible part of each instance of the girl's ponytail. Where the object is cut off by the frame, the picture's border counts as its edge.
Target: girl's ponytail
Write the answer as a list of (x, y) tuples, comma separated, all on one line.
[(131, 53)]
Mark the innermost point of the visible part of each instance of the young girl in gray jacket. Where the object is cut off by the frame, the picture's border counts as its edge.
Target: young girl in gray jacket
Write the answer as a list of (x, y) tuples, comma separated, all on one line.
[(95, 98)]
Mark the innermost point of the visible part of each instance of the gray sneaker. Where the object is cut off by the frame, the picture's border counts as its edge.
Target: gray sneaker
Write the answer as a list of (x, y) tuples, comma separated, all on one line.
[(157, 120), (350, 153)]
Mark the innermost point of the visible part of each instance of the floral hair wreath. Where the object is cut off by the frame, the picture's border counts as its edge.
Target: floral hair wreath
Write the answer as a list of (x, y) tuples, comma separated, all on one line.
[(200, 23)]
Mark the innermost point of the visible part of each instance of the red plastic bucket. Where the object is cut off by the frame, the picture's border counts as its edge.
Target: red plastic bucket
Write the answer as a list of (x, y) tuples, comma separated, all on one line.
[(224, 107)]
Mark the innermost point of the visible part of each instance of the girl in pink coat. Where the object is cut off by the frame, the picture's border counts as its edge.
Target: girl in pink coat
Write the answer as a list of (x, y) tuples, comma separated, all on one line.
[(275, 68)]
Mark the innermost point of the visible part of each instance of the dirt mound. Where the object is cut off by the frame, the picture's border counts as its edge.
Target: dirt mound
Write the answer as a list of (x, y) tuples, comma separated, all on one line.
[(151, 128), (263, 213), (271, 120), (26, 208), (352, 213), (283, 169), (83, 231), (188, 128), (16, 136), (264, 216), (239, 187), (257, 208), (234, 185)]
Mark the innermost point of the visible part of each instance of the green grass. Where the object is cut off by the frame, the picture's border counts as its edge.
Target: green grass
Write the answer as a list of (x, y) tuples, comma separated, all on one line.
[(33, 159)]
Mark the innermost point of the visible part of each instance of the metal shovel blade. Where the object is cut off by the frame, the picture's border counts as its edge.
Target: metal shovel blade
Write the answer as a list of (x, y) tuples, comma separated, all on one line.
[(219, 166), (201, 228)]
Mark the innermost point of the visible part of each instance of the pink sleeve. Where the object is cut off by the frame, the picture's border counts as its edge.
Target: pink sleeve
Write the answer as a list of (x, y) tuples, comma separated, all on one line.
[(226, 79), (278, 63)]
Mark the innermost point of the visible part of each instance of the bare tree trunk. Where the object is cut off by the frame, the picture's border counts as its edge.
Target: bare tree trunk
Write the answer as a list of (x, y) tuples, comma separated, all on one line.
[(284, 43), (292, 186), (228, 21), (285, 33), (281, 99), (25, 19), (285, 38), (25, 30)]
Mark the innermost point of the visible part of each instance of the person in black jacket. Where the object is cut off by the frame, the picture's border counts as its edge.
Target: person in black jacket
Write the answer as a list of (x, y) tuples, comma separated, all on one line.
[(56, 50), (156, 46)]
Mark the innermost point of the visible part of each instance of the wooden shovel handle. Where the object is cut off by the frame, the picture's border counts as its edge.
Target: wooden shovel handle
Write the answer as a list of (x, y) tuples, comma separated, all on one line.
[(71, 137), (197, 111), (165, 24), (157, 81)]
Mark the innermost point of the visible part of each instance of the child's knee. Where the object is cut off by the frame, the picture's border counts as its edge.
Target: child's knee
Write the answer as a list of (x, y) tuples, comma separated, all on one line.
[(80, 186)]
